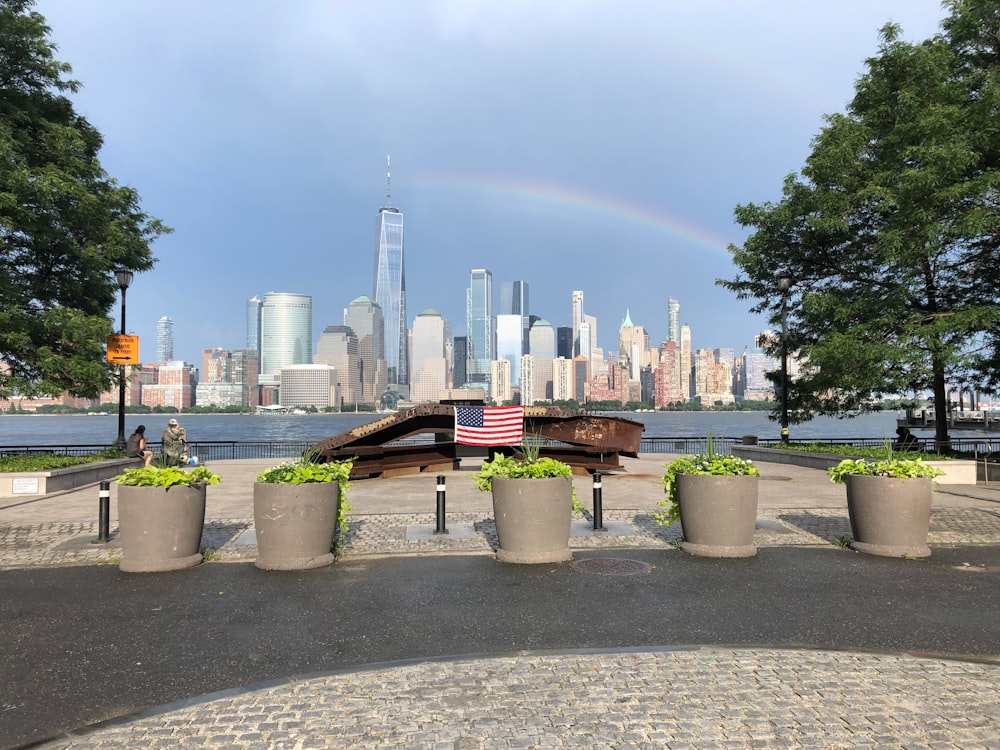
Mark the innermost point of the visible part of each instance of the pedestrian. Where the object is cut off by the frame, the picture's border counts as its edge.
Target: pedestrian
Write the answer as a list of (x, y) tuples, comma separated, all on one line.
[(136, 445), (905, 440), (174, 443)]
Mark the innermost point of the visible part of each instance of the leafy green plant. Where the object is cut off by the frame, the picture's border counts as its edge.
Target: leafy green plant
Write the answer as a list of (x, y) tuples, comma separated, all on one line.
[(49, 461), (523, 466), (899, 468), (844, 542), (305, 471), (166, 477), (839, 449), (708, 463)]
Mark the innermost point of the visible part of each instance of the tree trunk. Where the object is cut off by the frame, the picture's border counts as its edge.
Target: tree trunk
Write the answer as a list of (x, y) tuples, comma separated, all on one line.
[(941, 440)]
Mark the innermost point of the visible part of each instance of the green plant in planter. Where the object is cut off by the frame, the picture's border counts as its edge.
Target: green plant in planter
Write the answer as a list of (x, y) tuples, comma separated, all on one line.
[(708, 463), (166, 477), (899, 468), (304, 471), (527, 465)]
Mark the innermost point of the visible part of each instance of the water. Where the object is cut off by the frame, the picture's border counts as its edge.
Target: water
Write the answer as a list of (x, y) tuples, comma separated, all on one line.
[(16, 430)]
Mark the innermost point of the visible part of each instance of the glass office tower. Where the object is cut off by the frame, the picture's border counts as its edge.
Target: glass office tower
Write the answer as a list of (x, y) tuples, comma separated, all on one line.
[(390, 288), (285, 331), (479, 321)]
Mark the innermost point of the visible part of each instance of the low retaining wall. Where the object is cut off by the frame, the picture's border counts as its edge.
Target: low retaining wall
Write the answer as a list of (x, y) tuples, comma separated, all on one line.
[(18, 483), (955, 472)]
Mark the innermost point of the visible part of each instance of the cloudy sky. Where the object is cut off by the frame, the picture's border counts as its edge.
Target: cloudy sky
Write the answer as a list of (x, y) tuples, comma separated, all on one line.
[(599, 146)]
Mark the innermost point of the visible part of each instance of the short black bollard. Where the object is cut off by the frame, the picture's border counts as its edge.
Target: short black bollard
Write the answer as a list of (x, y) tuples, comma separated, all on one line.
[(598, 509), (104, 517), (440, 506)]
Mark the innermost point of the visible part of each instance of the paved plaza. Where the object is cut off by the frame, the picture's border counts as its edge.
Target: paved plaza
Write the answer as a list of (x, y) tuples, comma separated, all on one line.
[(422, 640)]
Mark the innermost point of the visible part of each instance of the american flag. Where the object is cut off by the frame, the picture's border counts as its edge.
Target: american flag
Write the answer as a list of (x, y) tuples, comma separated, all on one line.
[(489, 425)]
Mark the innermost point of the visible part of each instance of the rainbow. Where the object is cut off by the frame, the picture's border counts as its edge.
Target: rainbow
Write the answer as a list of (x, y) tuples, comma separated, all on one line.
[(560, 200)]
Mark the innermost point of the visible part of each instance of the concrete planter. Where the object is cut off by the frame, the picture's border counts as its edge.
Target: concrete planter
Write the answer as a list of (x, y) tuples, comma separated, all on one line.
[(295, 524), (889, 516), (718, 514), (533, 518), (160, 529), (14, 484)]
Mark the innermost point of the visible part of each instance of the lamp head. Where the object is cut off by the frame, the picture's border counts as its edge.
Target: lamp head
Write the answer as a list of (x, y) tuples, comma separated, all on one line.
[(124, 278), (785, 281)]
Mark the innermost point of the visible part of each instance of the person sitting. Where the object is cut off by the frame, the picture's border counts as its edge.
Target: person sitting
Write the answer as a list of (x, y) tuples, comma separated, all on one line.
[(136, 445), (174, 442), (905, 440)]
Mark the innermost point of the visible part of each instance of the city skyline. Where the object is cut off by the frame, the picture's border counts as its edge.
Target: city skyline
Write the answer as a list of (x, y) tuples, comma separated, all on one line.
[(260, 135)]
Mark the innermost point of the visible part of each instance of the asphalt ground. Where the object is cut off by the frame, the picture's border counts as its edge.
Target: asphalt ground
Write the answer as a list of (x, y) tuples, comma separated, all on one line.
[(629, 645)]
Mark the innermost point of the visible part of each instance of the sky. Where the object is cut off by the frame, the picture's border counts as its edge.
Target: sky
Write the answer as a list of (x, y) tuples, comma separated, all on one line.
[(594, 146)]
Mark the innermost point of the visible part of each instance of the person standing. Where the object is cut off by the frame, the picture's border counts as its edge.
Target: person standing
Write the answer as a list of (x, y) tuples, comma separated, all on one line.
[(174, 443), (136, 445)]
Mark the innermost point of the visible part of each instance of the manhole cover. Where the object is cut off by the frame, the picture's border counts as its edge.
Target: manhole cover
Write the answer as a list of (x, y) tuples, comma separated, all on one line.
[(611, 566)]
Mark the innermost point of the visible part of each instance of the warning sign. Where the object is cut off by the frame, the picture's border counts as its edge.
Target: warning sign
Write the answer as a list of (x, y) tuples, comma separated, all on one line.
[(123, 349)]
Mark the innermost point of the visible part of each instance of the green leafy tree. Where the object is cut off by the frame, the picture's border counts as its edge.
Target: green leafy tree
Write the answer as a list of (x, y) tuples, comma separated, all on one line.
[(889, 234), (65, 225)]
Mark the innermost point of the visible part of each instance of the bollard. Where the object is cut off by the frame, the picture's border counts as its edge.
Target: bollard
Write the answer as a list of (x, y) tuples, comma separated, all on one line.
[(104, 513), (440, 506), (598, 509)]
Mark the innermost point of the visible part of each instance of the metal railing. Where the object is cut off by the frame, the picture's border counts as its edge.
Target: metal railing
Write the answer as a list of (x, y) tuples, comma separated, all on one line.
[(234, 450)]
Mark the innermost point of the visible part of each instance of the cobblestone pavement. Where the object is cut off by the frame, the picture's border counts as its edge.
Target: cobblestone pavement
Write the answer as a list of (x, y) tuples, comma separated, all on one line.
[(73, 543), (690, 698)]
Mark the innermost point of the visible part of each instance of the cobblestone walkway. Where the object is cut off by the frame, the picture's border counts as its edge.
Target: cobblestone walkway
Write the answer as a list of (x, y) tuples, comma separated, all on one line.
[(63, 543), (704, 698)]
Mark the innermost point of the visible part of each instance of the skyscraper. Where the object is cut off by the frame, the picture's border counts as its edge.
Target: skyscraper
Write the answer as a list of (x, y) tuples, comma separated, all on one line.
[(338, 347), (390, 286), (430, 365), (285, 332), (510, 344), (253, 326), (577, 320), (674, 321), (514, 301), (364, 317), (479, 322), (164, 340)]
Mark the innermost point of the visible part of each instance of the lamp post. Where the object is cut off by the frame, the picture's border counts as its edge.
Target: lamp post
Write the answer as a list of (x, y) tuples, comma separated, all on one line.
[(784, 284), (124, 277)]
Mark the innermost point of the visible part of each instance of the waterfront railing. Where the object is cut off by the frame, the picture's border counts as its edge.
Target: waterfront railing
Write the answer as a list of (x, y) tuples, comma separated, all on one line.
[(236, 450)]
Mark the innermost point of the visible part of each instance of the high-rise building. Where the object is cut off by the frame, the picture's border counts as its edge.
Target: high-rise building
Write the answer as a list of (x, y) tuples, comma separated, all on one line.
[(686, 373), (510, 344), (503, 391), (245, 372), (674, 321), (479, 324), (308, 385), (216, 366), (285, 332), (390, 287), (564, 342), (338, 347), (514, 301), (459, 357), (542, 345), (633, 347), (577, 321), (253, 326), (364, 317), (562, 379), (164, 340), (430, 364)]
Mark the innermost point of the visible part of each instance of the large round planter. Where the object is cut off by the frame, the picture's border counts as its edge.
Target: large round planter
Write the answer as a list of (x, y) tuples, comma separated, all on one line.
[(533, 518), (295, 524), (160, 529), (889, 516), (718, 514)]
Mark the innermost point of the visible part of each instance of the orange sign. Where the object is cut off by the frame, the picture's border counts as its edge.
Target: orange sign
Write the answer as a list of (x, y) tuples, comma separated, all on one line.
[(123, 349)]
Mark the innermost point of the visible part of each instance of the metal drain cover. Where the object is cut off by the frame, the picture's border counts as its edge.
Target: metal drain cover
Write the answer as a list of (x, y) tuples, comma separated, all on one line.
[(611, 566)]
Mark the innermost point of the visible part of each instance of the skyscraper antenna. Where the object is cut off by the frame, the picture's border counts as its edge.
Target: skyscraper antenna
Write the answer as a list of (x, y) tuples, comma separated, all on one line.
[(388, 182)]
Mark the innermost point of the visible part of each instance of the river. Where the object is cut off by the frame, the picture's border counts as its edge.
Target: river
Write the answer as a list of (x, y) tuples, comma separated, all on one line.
[(39, 430)]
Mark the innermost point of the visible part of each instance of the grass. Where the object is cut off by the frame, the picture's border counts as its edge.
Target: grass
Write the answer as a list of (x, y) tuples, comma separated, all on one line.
[(846, 449), (48, 461)]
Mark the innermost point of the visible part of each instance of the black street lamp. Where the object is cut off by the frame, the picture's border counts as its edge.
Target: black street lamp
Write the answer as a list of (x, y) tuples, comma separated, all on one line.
[(124, 277), (784, 284)]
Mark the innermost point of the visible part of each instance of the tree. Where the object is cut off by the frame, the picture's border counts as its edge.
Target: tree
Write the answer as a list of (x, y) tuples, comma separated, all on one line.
[(65, 225), (889, 235)]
